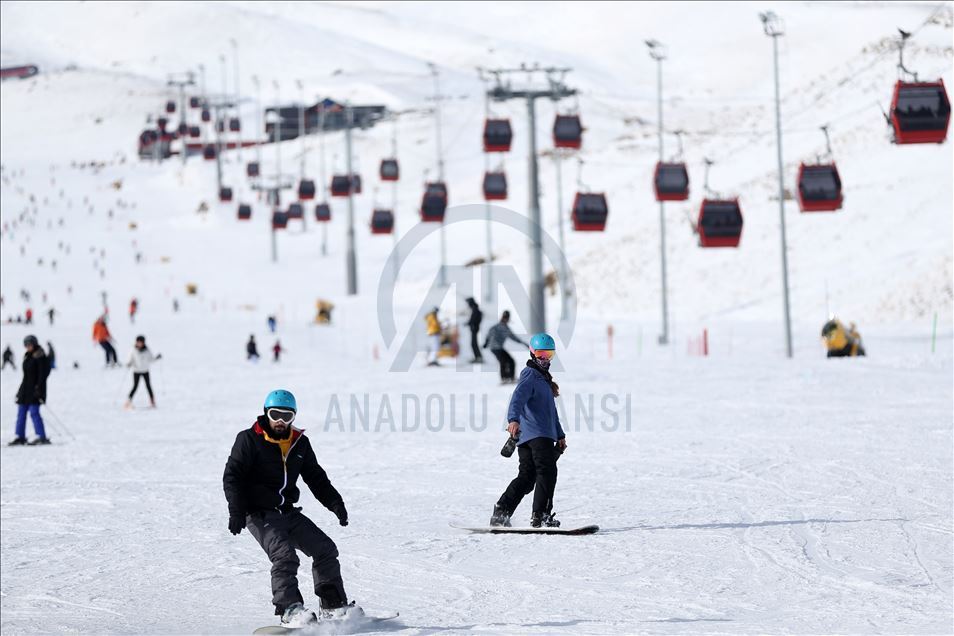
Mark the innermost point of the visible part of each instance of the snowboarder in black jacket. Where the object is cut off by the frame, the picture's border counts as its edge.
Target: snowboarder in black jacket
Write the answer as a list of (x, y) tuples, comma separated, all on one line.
[(251, 349), (32, 392), (260, 484), (8, 358), (476, 316)]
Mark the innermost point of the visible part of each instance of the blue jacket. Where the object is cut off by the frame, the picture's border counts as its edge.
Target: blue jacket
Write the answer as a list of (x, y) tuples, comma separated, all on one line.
[(533, 406)]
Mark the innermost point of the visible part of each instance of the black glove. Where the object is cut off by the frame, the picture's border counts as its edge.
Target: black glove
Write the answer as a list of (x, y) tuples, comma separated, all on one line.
[(341, 513), (236, 523)]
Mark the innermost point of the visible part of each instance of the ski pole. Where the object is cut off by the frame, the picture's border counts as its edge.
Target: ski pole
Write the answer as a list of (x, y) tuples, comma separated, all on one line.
[(59, 423), (162, 382), (121, 386)]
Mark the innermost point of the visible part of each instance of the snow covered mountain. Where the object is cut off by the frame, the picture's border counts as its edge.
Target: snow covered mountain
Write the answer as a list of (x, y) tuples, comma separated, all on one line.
[(745, 493)]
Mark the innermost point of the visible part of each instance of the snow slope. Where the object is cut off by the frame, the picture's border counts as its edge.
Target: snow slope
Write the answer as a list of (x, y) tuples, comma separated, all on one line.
[(743, 493)]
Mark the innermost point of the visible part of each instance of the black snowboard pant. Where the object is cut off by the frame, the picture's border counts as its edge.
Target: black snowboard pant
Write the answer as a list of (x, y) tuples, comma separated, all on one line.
[(475, 346), (110, 352), (280, 534), (145, 378), (507, 365), (537, 473)]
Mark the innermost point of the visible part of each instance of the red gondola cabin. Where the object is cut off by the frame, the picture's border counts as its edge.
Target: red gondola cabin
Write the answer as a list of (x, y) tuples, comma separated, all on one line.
[(671, 182), (208, 152), (252, 169), (819, 188), (306, 189), (720, 223), (340, 185), (244, 212), (295, 212), (225, 194), (279, 220), (323, 212), (382, 222), (495, 186), (589, 212), (567, 132), (497, 135), (920, 112), (434, 202), (390, 171)]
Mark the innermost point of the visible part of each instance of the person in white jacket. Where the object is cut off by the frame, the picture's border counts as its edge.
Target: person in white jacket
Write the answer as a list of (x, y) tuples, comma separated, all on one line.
[(140, 359)]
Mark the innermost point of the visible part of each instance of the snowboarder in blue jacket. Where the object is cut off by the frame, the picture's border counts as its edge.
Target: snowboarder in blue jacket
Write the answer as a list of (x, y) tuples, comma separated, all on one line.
[(535, 424)]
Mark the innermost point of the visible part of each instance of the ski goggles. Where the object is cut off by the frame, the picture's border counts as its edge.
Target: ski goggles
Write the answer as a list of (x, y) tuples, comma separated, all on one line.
[(280, 415), (543, 354)]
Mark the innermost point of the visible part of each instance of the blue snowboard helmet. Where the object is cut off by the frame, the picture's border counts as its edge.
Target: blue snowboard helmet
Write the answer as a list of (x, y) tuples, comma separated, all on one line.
[(542, 341), (281, 399)]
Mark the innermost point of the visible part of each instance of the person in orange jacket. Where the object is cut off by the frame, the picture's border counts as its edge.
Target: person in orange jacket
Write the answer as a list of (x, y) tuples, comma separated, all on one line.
[(102, 337)]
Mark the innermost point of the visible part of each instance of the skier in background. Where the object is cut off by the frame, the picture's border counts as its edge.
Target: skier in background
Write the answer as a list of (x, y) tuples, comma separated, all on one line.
[(8, 359), (476, 316), (175, 305), (277, 350), (272, 323), (251, 349), (260, 483), (496, 340), (433, 337), (140, 359), (29, 316), (51, 313), (535, 424), (32, 393), (102, 337), (50, 355), (133, 308)]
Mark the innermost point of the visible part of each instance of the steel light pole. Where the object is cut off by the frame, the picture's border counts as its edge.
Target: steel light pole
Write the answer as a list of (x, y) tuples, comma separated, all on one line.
[(773, 28), (658, 52), (440, 164), (351, 260)]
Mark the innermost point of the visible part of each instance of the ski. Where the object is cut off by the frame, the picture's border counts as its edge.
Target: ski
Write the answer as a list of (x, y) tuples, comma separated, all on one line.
[(581, 530)]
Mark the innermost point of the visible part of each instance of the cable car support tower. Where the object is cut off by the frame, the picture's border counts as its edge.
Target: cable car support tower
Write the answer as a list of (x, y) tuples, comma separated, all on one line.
[(555, 90)]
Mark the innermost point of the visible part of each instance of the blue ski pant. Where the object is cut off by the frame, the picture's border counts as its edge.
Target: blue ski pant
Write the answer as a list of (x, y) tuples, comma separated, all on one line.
[(34, 410)]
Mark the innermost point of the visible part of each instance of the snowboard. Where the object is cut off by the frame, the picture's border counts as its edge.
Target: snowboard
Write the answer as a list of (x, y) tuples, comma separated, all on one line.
[(358, 622), (590, 529)]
